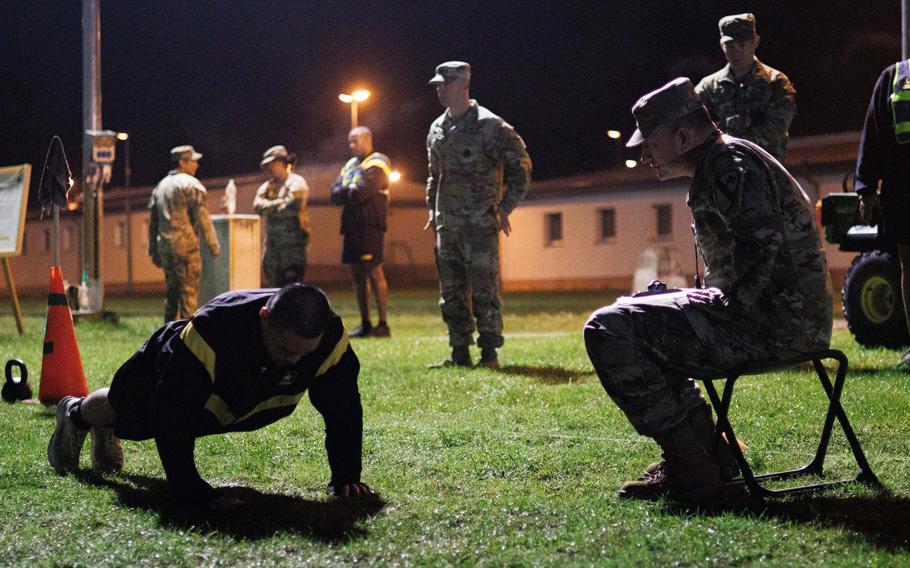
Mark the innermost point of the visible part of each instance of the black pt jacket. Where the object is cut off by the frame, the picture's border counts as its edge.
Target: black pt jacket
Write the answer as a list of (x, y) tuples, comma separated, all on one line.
[(211, 374)]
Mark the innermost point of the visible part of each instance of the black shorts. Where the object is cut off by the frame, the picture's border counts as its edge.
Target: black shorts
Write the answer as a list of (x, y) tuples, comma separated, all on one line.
[(366, 245)]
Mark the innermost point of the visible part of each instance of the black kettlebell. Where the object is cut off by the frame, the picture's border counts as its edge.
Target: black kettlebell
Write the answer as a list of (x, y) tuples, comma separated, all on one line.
[(16, 389)]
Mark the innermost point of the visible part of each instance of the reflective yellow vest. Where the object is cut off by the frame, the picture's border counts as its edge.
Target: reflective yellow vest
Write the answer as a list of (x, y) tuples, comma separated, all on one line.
[(900, 101)]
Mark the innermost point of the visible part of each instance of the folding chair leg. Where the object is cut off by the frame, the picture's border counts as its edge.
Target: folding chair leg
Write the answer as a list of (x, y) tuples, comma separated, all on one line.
[(835, 409)]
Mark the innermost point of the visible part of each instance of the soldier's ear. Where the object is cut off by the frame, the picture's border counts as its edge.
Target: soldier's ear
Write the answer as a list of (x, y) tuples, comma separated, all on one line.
[(756, 40)]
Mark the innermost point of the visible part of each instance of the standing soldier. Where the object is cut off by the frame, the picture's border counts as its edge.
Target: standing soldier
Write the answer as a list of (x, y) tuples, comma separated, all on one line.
[(479, 169), (363, 189), (282, 201), (883, 170), (177, 212), (746, 98)]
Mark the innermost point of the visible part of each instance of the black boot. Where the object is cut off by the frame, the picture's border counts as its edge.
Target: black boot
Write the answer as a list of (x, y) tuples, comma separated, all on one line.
[(461, 357), (362, 330)]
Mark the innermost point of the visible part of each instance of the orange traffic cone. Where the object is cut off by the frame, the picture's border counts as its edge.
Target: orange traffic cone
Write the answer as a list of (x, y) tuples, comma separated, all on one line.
[(61, 366)]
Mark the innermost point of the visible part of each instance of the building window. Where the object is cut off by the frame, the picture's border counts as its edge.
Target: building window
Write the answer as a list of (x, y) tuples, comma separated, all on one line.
[(553, 224), (664, 215), (607, 222), (120, 235), (47, 240)]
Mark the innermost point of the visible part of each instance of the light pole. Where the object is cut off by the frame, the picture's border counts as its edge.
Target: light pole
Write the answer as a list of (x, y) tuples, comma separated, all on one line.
[(353, 99), (616, 138), (127, 172)]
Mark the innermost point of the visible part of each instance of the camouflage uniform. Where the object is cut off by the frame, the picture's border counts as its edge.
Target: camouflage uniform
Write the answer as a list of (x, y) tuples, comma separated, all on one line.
[(766, 98), (761, 249), (470, 160), (177, 212), (284, 204)]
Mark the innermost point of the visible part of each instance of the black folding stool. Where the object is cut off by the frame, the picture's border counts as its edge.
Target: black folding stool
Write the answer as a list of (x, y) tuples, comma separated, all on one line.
[(835, 409)]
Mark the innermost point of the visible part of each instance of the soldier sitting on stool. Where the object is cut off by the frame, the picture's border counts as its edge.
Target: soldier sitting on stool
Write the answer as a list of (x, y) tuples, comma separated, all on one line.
[(769, 293)]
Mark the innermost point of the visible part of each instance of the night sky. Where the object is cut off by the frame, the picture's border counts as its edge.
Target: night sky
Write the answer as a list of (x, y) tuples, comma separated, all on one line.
[(235, 77)]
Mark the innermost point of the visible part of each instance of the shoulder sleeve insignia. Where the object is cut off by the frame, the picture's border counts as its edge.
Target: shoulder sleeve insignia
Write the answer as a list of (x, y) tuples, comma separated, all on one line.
[(727, 190)]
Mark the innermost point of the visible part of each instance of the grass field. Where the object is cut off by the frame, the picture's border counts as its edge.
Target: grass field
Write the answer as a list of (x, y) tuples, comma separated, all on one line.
[(511, 467)]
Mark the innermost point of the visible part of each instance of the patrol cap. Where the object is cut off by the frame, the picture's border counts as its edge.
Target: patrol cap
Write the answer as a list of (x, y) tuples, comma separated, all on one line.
[(737, 27), (451, 70), (274, 153), (674, 100), (185, 152)]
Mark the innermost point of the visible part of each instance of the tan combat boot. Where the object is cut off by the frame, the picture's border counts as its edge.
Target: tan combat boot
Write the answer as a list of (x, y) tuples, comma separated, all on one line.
[(702, 423), (689, 474)]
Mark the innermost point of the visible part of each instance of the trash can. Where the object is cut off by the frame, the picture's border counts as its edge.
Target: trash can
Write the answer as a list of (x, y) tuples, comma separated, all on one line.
[(238, 265)]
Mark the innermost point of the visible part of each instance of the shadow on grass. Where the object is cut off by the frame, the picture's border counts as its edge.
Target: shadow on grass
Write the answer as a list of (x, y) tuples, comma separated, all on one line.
[(854, 373), (881, 518), (547, 375), (260, 515)]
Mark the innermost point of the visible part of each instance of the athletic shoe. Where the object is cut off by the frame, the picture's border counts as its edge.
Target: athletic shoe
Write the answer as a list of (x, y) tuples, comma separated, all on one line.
[(66, 443)]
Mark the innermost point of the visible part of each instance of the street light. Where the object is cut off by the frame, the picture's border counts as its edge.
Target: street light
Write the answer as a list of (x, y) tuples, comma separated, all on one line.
[(631, 164), (616, 146), (394, 176), (127, 172), (358, 96)]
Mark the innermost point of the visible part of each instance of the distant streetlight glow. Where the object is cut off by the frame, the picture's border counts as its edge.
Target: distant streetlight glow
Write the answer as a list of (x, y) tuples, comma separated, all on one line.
[(394, 176), (353, 99), (123, 136), (631, 163), (614, 134)]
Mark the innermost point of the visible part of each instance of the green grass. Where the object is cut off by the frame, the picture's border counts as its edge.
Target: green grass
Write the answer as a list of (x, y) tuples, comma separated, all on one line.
[(515, 467)]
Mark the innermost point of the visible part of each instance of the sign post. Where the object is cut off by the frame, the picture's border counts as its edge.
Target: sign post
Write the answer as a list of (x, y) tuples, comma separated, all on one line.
[(14, 184)]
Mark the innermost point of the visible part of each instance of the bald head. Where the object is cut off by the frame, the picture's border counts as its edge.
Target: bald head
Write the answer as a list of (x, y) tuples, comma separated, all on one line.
[(360, 141)]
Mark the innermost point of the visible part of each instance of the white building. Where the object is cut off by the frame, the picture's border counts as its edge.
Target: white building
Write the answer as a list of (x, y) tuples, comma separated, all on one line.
[(589, 231), (579, 232)]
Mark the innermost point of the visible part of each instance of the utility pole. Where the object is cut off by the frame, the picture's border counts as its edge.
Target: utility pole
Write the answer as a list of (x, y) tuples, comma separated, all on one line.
[(98, 150), (93, 203)]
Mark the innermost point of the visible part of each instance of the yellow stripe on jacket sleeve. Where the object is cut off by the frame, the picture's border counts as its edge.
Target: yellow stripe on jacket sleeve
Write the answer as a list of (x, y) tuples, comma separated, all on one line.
[(219, 409), (199, 347), (336, 354)]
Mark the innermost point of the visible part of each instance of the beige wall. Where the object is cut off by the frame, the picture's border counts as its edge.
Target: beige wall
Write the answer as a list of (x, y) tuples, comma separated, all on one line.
[(528, 263), (582, 261), (409, 249)]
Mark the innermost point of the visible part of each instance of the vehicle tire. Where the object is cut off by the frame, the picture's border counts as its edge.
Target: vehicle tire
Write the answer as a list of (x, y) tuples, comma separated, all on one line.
[(872, 300)]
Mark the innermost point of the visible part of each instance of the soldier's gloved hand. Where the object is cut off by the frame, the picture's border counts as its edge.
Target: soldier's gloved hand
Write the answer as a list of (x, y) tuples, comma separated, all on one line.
[(870, 207), (737, 123), (216, 249)]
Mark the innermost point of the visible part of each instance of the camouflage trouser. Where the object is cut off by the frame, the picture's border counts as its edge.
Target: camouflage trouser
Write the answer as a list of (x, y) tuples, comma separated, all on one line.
[(644, 354), (467, 259), (181, 283), (284, 262)]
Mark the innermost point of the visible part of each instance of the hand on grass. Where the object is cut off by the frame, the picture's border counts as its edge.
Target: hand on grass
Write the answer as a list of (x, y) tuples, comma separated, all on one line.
[(351, 490)]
